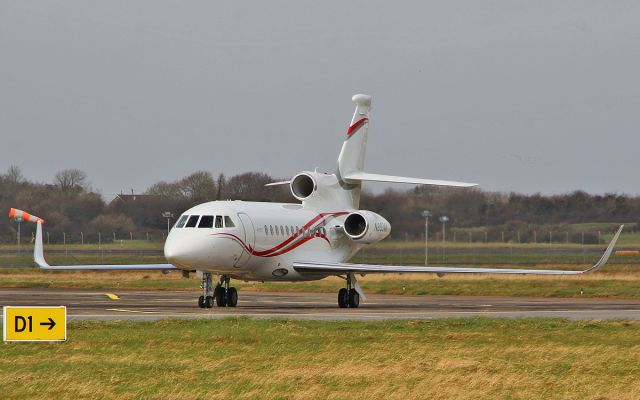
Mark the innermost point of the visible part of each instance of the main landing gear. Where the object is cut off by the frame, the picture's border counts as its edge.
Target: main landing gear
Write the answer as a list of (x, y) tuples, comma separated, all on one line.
[(349, 297), (222, 294)]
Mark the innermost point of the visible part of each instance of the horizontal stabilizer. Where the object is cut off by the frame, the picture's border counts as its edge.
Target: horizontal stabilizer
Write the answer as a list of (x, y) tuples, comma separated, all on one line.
[(278, 183), (364, 176)]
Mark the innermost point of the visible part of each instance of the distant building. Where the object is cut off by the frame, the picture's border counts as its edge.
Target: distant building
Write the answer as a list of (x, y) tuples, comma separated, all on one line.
[(126, 199)]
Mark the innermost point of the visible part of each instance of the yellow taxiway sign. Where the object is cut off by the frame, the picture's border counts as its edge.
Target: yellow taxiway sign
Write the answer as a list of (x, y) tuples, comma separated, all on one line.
[(34, 324)]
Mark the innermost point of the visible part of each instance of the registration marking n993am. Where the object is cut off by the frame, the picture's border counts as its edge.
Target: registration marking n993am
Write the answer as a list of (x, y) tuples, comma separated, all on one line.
[(34, 324)]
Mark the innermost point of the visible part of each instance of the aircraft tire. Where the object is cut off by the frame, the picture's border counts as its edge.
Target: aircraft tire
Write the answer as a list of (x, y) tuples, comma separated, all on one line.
[(343, 298), (232, 297), (208, 301), (221, 297), (201, 301), (354, 299)]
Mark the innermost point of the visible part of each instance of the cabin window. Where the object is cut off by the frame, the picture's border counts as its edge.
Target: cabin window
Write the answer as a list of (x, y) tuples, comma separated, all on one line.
[(277, 231), (287, 229), (206, 221), (271, 229), (292, 230), (192, 222), (228, 222), (182, 221), (219, 221), (281, 230), (266, 231)]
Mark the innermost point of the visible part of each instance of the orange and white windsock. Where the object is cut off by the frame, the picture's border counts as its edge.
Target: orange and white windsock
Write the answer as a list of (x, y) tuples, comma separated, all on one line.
[(25, 216)]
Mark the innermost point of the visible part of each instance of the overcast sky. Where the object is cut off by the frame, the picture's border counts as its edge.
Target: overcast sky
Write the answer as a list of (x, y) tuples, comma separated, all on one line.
[(521, 96)]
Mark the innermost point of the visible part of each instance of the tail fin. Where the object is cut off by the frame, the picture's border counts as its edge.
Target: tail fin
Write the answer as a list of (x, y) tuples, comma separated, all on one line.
[(354, 148), (351, 158)]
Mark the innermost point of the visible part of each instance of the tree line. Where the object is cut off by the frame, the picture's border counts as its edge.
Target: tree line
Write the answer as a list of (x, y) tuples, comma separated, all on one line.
[(68, 204)]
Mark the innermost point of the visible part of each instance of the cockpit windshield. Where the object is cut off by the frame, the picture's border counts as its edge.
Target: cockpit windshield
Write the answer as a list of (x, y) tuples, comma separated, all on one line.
[(206, 221), (181, 221), (192, 221)]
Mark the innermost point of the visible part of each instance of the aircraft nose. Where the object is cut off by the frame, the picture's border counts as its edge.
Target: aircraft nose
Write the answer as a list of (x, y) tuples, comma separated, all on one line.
[(187, 250), (172, 250), (180, 250)]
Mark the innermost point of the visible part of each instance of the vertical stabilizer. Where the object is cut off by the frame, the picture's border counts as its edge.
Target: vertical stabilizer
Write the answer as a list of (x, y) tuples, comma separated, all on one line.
[(351, 158)]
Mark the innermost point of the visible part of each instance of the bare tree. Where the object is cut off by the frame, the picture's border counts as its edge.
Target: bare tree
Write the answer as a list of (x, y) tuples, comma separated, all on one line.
[(14, 174), (221, 183), (198, 186), (71, 179), (165, 189)]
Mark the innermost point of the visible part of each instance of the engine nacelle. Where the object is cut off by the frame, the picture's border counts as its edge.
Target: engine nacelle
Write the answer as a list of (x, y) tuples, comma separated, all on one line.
[(366, 227), (321, 191), (303, 186)]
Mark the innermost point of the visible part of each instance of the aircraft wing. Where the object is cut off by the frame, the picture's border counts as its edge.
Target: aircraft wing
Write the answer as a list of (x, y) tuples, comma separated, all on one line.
[(346, 268), (38, 258)]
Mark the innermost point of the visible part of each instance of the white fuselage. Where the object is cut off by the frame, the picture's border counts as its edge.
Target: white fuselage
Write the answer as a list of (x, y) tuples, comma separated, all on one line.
[(257, 241)]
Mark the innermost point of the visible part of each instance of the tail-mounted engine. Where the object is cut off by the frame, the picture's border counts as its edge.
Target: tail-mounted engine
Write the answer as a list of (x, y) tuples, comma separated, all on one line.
[(322, 191), (366, 227), (303, 185)]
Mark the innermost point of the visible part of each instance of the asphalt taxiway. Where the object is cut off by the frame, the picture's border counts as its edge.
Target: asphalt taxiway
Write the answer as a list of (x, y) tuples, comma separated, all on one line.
[(84, 304)]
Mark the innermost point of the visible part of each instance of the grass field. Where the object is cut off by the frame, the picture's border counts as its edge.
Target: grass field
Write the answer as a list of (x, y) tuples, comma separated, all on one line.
[(277, 359)]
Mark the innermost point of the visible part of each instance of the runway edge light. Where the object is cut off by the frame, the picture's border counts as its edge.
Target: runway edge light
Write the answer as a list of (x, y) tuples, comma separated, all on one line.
[(34, 324)]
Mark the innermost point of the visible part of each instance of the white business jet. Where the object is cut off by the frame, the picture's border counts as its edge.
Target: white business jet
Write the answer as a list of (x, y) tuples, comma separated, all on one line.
[(291, 242)]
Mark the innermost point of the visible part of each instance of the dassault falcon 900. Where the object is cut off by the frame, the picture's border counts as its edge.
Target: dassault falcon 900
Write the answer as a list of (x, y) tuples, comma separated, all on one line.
[(291, 242)]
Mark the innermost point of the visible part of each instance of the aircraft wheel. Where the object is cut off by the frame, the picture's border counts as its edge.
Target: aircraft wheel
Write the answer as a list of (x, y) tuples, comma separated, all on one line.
[(232, 297), (354, 298), (208, 301), (201, 301), (343, 298), (221, 296)]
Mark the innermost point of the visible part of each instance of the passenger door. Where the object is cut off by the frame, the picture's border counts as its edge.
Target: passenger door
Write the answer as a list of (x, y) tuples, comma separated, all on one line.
[(249, 238)]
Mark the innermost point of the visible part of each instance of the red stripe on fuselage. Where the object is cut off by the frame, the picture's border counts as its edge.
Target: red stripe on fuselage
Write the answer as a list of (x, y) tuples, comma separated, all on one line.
[(278, 249)]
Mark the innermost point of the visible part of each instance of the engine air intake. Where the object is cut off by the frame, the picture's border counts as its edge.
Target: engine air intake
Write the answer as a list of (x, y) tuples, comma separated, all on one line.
[(355, 225), (302, 186)]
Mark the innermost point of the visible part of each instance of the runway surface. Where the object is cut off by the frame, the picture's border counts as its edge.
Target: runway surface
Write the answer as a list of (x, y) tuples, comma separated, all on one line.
[(85, 304)]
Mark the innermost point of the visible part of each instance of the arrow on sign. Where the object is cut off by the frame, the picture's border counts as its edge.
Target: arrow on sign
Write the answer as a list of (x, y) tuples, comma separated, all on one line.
[(51, 323)]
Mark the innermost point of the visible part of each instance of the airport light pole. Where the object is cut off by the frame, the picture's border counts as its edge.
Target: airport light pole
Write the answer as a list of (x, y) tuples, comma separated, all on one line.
[(444, 220), (19, 221), (168, 215), (426, 214)]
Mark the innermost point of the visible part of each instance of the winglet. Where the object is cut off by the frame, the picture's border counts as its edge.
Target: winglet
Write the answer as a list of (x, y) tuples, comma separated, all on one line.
[(607, 253), (38, 248)]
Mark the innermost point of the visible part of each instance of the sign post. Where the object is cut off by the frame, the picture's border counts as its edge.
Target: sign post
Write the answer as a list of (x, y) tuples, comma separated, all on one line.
[(34, 324)]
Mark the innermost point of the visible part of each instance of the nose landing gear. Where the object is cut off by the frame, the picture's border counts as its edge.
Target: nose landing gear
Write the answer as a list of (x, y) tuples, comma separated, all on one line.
[(223, 295), (206, 300)]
